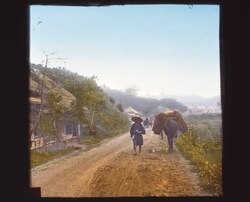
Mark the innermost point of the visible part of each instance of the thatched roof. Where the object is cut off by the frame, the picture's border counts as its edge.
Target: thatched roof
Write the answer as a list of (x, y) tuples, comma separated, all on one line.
[(131, 110), (33, 85), (52, 86)]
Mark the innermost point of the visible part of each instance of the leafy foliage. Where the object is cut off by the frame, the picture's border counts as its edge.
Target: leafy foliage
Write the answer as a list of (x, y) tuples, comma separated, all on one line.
[(206, 126), (46, 125), (91, 107), (120, 107), (206, 156), (56, 108)]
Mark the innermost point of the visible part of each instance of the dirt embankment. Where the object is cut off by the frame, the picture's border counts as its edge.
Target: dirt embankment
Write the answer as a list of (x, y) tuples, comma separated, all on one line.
[(111, 170)]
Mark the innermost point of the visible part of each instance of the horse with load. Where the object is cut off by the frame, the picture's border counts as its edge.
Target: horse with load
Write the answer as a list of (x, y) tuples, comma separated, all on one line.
[(170, 122)]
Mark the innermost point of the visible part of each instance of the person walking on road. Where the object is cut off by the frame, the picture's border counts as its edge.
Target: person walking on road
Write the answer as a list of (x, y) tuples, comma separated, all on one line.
[(136, 132)]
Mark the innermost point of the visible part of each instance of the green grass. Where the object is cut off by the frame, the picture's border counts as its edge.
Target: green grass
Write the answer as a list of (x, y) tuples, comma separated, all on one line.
[(206, 156), (94, 139), (39, 158)]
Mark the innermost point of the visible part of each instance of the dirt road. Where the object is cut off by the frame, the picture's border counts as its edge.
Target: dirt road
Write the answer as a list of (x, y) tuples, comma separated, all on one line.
[(111, 170)]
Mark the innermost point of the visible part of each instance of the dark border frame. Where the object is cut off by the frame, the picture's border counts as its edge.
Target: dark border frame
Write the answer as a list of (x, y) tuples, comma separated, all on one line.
[(234, 53)]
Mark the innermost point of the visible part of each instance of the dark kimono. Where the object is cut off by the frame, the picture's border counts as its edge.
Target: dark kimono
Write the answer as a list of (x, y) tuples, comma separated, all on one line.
[(136, 132)]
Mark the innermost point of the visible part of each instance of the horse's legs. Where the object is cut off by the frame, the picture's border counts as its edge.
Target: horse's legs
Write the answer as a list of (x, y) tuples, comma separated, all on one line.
[(170, 144)]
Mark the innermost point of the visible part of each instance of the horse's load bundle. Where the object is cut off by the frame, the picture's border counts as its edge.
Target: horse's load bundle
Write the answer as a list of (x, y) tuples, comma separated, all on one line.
[(162, 117), (169, 113), (177, 116), (169, 122)]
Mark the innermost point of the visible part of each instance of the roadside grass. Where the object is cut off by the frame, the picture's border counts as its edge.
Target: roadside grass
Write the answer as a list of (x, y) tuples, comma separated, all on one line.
[(206, 156), (91, 140), (38, 157)]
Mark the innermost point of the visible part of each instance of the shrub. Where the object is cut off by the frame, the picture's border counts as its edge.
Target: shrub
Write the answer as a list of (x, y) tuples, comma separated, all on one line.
[(206, 156)]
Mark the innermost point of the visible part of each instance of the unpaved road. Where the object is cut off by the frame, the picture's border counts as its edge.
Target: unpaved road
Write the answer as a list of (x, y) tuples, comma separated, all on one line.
[(111, 170)]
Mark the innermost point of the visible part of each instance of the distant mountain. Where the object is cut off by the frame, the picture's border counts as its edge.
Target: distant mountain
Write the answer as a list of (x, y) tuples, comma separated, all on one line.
[(198, 100), (144, 105), (185, 99)]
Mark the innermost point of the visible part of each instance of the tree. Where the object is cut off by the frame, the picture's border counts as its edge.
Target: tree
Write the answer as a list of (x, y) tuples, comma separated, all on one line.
[(35, 123), (37, 116), (46, 127), (91, 105), (111, 100), (120, 107), (56, 110), (94, 98), (89, 96)]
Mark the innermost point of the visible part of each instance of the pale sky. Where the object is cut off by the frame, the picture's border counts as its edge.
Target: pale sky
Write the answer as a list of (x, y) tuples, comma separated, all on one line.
[(161, 49)]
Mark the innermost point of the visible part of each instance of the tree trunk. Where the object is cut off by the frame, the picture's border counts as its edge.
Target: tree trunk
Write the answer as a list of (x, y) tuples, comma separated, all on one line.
[(92, 119), (78, 133), (78, 130)]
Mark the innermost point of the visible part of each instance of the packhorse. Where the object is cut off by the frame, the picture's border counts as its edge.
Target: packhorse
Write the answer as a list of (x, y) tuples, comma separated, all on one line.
[(170, 122)]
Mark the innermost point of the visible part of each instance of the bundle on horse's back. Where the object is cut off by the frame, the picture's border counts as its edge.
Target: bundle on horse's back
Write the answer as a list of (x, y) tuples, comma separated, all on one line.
[(169, 122), (158, 124), (159, 119), (182, 125)]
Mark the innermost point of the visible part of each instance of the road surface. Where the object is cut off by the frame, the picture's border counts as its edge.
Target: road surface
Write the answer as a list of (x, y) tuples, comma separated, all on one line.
[(111, 170)]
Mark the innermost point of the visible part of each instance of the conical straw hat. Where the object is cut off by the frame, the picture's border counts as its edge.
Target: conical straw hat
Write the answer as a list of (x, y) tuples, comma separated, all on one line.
[(137, 119)]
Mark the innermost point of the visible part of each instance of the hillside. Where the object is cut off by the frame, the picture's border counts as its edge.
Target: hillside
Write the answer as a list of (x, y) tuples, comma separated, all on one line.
[(144, 105), (78, 99)]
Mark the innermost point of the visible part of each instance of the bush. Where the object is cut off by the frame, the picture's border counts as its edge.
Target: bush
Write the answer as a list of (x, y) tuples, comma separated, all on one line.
[(206, 156)]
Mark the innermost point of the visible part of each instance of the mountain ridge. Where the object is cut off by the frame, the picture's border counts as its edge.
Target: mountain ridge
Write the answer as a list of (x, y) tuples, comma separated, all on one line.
[(188, 100)]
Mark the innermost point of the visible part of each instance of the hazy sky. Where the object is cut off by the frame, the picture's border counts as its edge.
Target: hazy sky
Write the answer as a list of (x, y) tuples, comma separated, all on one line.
[(161, 49)]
